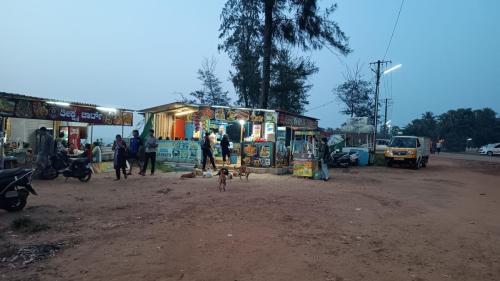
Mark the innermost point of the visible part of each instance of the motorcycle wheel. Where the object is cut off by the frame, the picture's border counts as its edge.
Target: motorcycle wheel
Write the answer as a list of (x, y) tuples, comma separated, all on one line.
[(86, 177), (49, 174), (18, 204)]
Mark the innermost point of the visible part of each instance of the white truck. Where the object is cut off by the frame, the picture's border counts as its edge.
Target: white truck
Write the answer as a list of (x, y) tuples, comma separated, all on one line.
[(410, 150)]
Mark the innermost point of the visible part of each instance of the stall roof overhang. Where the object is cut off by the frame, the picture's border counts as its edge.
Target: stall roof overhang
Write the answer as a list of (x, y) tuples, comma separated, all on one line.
[(179, 105), (5, 95)]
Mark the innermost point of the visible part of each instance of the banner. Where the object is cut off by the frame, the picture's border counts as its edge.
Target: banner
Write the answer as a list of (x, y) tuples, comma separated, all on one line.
[(179, 151), (297, 121), (34, 109)]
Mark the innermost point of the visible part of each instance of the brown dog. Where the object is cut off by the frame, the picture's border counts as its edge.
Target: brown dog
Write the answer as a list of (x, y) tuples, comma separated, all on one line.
[(223, 174), (188, 175), (244, 171)]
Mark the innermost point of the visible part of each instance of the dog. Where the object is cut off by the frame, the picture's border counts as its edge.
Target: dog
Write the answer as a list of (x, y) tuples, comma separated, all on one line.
[(188, 175), (223, 175), (207, 174), (244, 171)]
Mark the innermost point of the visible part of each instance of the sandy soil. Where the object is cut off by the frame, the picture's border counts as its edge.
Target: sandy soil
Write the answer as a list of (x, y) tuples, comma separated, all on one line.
[(373, 223)]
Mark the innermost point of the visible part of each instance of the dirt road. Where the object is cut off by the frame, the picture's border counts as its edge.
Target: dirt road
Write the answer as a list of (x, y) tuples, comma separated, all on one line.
[(470, 156), (373, 223)]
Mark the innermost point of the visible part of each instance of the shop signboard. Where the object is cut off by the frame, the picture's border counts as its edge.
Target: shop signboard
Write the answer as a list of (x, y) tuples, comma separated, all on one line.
[(271, 117), (179, 151), (297, 121), (257, 154), (23, 108), (220, 114), (7, 107), (257, 117)]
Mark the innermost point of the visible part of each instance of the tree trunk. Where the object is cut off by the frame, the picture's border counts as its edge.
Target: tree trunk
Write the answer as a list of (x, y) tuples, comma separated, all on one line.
[(266, 65)]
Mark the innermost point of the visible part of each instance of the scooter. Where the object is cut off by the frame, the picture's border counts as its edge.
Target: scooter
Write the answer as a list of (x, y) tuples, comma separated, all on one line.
[(15, 186), (78, 168)]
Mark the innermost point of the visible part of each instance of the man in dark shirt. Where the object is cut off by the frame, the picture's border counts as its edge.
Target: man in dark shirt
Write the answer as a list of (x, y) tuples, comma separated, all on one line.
[(135, 145)]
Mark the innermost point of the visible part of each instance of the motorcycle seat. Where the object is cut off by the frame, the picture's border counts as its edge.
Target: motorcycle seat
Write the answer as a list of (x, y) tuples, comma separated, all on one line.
[(11, 172)]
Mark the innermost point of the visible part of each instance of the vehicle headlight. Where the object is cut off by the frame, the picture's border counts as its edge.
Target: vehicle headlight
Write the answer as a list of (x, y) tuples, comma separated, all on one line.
[(411, 152), (388, 152)]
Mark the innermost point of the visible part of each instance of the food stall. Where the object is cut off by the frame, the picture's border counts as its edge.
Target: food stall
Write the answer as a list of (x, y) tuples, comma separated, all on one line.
[(305, 153), (258, 137), (22, 116)]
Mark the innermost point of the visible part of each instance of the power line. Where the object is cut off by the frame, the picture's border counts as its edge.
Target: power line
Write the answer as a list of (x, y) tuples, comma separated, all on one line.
[(320, 106), (394, 29)]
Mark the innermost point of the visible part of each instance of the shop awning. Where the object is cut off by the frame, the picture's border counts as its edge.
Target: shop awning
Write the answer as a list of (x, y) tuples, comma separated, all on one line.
[(29, 107)]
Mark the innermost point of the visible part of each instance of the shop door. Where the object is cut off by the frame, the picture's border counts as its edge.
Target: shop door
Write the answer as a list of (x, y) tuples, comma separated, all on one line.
[(180, 132)]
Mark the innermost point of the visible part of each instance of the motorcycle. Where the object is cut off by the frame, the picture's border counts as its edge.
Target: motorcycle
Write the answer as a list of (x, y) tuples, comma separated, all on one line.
[(340, 159), (78, 167), (15, 186)]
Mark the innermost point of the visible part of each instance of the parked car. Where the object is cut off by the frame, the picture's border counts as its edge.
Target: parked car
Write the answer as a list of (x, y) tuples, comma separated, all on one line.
[(490, 149)]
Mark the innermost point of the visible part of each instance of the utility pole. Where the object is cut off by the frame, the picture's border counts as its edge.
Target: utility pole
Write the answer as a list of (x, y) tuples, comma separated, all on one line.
[(378, 74), (385, 117)]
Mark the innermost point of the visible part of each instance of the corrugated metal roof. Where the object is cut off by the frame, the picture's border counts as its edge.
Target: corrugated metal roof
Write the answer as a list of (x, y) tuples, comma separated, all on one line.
[(26, 97)]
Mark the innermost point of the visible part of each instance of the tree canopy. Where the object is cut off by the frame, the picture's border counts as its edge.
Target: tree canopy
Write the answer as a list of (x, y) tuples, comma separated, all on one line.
[(456, 126), (212, 92)]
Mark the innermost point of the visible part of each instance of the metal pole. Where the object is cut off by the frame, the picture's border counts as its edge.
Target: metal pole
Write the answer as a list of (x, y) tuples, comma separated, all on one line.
[(91, 133)]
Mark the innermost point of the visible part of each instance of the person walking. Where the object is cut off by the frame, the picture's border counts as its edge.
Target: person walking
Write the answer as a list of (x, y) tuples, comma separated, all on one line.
[(97, 153), (206, 148), (324, 154), (224, 144), (438, 146), (133, 155), (120, 159), (150, 148)]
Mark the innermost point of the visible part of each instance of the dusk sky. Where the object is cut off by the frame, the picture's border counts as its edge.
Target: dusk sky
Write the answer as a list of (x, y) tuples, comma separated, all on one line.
[(137, 54)]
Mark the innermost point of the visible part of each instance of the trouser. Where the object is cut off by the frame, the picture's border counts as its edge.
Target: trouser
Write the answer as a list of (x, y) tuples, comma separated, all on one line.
[(149, 156), (324, 170), (208, 153), (226, 154), (117, 171)]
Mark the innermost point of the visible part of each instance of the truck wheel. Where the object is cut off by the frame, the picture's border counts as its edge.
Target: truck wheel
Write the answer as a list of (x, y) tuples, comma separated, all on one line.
[(388, 163), (416, 164), (490, 153)]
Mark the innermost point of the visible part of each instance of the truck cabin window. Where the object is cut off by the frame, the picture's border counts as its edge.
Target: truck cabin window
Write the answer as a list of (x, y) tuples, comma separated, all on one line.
[(403, 142)]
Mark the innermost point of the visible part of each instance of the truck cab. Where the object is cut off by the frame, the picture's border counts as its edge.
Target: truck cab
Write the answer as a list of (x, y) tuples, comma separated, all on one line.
[(411, 150)]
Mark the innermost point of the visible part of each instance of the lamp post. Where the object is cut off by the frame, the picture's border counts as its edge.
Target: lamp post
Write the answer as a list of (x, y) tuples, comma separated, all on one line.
[(242, 122)]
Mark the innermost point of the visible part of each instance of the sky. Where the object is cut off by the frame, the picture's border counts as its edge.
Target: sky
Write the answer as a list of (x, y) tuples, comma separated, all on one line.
[(137, 54)]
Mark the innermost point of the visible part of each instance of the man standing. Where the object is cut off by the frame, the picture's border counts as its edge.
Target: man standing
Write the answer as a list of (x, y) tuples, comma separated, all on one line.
[(324, 154), (135, 145), (206, 148), (150, 146), (45, 148)]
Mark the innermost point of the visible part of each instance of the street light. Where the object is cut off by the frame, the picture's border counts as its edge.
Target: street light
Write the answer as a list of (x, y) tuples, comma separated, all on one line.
[(242, 122), (392, 69)]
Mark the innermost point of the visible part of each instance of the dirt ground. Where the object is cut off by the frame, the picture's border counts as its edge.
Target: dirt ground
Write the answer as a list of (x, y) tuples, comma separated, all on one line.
[(372, 223)]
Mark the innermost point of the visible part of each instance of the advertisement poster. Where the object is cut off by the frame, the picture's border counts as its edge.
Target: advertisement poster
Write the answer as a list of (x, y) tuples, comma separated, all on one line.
[(179, 151), (271, 117), (257, 117), (303, 168), (220, 114), (257, 154)]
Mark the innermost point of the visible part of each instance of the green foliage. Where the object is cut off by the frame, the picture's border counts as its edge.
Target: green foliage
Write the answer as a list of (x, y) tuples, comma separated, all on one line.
[(212, 93), (289, 82), (241, 31), (251, 41), (456, 126), (356, 94)]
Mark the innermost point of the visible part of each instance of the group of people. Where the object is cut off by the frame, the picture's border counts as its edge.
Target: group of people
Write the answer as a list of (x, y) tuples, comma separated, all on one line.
[(134, 153), (207, 148)]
